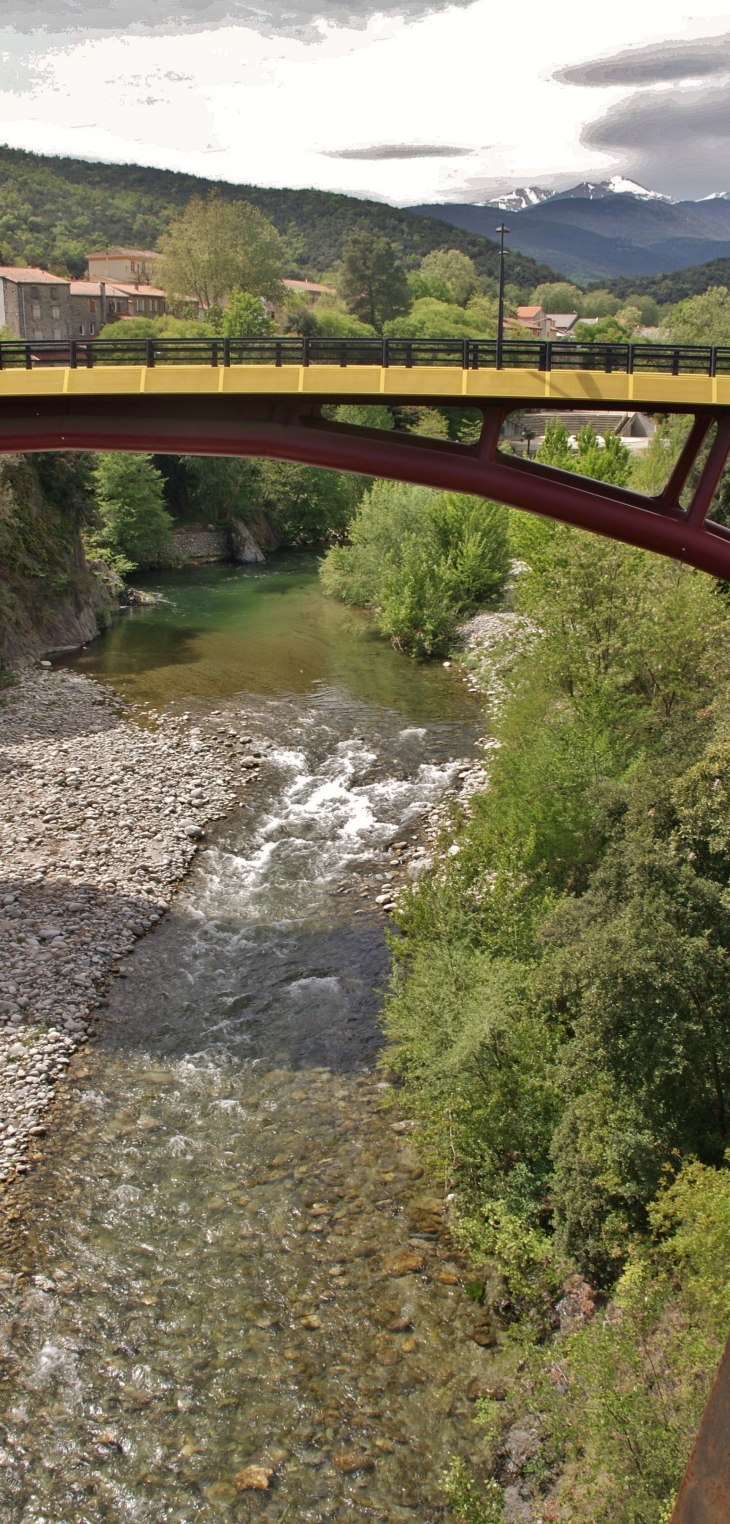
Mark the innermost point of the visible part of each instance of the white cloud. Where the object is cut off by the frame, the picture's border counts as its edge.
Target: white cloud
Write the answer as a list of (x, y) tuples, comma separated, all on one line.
[(248, 104)]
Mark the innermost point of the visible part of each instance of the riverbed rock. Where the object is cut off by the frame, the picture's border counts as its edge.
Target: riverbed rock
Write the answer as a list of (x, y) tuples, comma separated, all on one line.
[(352, 1460), (404, 1262), (253, 1479)]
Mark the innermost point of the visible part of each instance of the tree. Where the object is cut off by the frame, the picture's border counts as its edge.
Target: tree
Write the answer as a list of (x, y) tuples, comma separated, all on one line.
[(455, 269), (135, 523), (432, 319), (216, 246), (599, 304), (245, 317), (702, 319), (558, 296), (372, 284)]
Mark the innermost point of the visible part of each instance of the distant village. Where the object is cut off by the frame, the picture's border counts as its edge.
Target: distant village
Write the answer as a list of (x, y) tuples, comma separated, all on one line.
[(120, 283)]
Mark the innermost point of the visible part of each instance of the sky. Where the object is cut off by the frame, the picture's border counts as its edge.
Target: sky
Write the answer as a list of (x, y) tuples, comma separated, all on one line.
[(405, 101)]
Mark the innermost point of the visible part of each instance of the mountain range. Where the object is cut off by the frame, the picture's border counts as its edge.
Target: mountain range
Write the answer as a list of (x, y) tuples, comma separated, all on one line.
[(601, 229)]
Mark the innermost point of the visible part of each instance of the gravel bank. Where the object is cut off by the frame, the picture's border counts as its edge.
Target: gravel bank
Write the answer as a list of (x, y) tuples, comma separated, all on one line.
[(99, 818)]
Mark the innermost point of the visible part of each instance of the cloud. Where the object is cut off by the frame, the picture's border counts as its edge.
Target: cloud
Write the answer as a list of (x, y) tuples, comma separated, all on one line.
[(657, 64), (277, 17), (677, 140), (674, 139), (399, 151)]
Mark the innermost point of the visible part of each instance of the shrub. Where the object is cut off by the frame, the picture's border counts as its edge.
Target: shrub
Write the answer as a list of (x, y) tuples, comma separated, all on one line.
[(421, 560)]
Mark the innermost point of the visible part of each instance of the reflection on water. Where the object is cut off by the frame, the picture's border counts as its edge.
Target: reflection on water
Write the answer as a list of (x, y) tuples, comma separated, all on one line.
[(211, 1281)]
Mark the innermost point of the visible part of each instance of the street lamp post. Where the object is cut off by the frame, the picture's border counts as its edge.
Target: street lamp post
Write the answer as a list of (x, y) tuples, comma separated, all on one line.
[(500, 309)]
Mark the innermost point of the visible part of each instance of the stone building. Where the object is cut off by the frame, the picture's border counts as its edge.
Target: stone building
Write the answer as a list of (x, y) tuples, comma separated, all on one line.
[(95, 303), (34, 304)]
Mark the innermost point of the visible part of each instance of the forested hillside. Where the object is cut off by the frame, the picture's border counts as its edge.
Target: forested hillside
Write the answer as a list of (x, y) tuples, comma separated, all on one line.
[(53, 211), (668, 289)]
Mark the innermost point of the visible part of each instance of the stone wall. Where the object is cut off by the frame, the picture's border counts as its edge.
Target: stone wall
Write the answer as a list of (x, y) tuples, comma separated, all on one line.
[(195, 542)]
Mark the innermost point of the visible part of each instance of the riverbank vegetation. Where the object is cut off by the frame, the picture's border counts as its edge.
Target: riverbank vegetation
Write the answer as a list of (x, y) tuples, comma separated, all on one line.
[(421, 560), (560, 1019)]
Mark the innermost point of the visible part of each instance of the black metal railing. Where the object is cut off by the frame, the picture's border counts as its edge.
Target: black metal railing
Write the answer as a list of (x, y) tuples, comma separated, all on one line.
[(467, 354)]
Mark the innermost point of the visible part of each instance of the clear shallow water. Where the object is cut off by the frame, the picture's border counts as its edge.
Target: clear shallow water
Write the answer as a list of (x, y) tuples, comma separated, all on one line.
[(208, 1279)]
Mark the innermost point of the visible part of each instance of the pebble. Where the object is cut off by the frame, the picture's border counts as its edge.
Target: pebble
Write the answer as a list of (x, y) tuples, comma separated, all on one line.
[(404, 1262), (95, 831), (253, 1479)]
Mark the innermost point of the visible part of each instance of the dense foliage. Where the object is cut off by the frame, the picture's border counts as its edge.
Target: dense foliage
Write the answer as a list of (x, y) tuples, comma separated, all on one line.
[(135, 525), (372, 283), (421, 559), (560, 1017), (301, 504)]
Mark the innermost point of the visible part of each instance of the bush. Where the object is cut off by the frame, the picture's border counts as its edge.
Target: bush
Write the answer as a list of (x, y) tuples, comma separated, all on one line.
[(135, 523), (421, 559), (621, 1408)]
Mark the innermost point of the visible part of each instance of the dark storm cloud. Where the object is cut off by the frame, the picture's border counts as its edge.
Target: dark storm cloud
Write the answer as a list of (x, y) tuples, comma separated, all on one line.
[(674, 140), (398, 151), (277, 17), (654, 65)]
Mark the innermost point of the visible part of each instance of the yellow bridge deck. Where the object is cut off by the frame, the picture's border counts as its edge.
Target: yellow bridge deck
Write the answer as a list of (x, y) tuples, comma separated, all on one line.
[(519, 388)]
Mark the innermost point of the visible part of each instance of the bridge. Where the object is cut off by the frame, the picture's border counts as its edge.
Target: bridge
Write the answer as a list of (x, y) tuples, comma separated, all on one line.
[(266, 397)]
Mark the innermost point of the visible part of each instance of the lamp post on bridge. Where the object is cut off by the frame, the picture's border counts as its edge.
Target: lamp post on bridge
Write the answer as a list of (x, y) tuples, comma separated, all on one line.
[(500, 307)]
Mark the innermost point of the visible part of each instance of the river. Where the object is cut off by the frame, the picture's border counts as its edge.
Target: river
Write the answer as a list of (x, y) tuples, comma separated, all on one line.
[(235, 1258)]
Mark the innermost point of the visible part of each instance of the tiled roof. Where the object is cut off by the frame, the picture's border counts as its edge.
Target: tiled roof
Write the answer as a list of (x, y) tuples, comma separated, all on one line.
[(113, 288), (33, 276), (132, 253), (306, 285)]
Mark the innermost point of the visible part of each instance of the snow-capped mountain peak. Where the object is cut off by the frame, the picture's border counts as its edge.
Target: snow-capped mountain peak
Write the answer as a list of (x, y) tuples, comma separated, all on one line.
[(518, 200), (589, 190), (619, 186)]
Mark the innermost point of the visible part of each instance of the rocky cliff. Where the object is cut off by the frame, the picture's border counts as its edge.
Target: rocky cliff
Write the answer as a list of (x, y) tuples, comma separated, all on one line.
[(50, 598)]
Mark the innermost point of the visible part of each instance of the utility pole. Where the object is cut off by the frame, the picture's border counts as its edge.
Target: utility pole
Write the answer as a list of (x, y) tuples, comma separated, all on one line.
[(500, 309)]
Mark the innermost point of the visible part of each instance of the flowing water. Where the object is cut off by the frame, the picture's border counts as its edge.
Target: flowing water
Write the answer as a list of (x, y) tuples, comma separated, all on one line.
[(234, 1258)]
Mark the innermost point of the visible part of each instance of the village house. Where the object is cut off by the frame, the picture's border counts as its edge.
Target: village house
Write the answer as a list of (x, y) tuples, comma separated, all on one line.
[(311, 290), (33, 303), (130, 266), (563, 323), (536, 321), (95, 303)]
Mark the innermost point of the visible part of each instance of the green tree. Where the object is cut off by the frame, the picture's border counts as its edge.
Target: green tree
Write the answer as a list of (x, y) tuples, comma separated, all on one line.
[(702, 319), (215, 247), (372, 283), (453, 270), (245, 317), (432, 319), (609, 461), (558, 296), (599, 304), (608, 330), (135, 523), (306, 503)]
